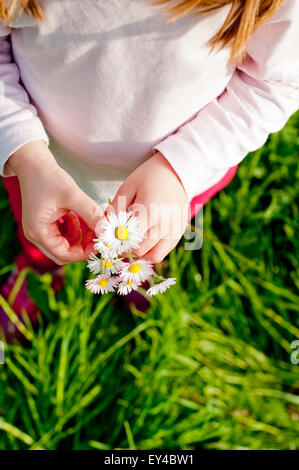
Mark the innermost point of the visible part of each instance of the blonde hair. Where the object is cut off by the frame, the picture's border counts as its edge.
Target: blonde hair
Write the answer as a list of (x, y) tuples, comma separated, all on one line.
[(10, 9), (242, 20)]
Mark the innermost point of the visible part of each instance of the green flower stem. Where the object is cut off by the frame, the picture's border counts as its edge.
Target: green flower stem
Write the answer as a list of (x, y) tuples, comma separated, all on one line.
[(157, 277), (102, 265)]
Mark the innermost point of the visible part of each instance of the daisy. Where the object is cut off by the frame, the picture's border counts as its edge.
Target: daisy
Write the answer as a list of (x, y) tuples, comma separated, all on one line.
[(104, 248), (112, 266), (125, 288), (102, 284), (121, 232), (94, 264), (136, 271), (161, 287)]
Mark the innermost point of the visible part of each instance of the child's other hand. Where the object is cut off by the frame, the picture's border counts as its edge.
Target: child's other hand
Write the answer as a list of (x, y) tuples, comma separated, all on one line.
[(158, 199), (48, 194)]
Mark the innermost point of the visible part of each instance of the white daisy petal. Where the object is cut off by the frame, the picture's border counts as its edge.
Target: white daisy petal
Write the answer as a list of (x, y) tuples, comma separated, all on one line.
[(94, 264), (112, 266), (136, 271), (102, 284), (105, 250), (161, 287), (121, 232), (122, 217), (125, 288)]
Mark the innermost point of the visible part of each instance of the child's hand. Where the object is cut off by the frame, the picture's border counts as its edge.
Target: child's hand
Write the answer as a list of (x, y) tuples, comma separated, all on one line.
[(158, 198), (49, 193)]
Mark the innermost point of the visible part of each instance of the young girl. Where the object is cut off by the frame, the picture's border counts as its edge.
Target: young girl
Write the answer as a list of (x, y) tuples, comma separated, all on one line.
[(103, 99)]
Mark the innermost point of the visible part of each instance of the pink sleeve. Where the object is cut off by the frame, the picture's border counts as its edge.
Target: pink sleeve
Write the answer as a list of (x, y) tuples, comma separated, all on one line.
[(19, 123), (260, 97)]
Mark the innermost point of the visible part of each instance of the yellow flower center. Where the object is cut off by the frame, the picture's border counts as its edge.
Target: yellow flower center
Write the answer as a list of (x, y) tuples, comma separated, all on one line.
[(108, 264), (121, 233), (130, 283), (134, 268), (103, 282), (108, 246)]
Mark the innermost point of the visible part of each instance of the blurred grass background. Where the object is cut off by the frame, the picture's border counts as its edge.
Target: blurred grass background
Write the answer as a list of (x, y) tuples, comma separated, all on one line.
[(208, 366)]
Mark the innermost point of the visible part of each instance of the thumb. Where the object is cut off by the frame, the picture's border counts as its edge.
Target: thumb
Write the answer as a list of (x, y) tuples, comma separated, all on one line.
[(87, 209), (123, 198)]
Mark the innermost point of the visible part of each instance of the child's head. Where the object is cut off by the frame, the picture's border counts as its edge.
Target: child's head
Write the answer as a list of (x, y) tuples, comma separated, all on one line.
[(243, 18)]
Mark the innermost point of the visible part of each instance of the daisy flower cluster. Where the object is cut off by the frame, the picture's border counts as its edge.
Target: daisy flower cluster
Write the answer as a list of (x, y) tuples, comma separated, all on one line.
[(115, 267)]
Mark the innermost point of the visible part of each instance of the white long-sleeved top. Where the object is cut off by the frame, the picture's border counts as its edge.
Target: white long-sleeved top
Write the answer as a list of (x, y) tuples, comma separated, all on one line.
[(110, 83)]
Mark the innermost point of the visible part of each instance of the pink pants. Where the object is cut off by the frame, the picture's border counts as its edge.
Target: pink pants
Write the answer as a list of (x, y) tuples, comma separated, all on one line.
[(33, 257)]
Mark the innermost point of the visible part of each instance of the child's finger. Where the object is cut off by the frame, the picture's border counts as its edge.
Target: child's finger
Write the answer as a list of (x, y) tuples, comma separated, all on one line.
[(99, 226), (88, 238), (59, 253), (88, 249), (49, 255), (145, 246), (123, 199), (161, 250), (70, 228), (56, 247), (150, 239), (148, 216), (86, 208)]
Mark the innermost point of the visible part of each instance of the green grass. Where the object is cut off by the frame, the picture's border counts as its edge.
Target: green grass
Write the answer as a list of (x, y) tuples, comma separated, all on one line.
[(207, 367)]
